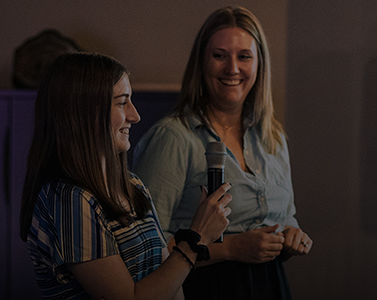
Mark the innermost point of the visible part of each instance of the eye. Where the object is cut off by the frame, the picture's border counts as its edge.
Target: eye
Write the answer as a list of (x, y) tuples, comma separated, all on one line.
[(245, 56), (121, 100), (218, 56)]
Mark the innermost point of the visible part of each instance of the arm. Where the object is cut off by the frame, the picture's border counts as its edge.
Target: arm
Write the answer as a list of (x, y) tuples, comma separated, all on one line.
[(164, 151), (109, 278), (179, 295), (297, 242), (291, 208), (254, 246)]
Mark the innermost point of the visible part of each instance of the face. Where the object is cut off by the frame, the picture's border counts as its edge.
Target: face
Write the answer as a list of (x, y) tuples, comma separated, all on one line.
[(231, 65), (123, 114)]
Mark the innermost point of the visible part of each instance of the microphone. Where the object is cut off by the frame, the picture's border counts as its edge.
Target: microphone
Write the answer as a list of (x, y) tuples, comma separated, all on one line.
[(216, 156)]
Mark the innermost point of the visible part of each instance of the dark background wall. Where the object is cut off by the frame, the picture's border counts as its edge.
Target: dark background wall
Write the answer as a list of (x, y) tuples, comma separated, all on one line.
[(324, 56), (152, 38), (331, 121)]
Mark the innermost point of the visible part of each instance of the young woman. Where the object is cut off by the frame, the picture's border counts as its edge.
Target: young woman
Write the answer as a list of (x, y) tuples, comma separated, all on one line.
[(90, 225)]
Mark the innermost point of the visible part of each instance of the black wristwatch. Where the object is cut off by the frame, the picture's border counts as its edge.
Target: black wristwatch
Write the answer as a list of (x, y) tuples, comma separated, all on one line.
[(192, 238)]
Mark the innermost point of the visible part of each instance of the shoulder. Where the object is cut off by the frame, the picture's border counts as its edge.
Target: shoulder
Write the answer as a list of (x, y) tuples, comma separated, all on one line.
[(64, 196), (281, 154), (59, 191), (283, 148), (136, 181), (281, 157), (68, 190), (139, 184), (169, 126), (169, 132)]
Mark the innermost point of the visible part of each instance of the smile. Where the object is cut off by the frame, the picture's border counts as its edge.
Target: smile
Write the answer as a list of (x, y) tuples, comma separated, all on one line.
[(124, 130), (231, 82)]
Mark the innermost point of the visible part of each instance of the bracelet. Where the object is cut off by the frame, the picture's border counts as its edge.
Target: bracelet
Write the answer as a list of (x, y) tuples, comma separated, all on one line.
[(185, 256), (192, 238)]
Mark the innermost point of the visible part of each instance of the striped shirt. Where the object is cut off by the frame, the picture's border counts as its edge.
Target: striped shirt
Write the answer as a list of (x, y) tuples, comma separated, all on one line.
[(69, 226)]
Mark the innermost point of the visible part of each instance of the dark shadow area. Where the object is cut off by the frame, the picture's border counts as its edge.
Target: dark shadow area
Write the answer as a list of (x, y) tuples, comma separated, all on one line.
[(319, 113), (368, 149)]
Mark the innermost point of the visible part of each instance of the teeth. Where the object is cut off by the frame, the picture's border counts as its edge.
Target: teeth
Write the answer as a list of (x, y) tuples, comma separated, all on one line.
[(230, 81), (124, 130)]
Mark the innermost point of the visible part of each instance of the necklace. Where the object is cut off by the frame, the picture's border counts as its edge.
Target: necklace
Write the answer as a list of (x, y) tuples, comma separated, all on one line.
[(225, 127), (228, 128)]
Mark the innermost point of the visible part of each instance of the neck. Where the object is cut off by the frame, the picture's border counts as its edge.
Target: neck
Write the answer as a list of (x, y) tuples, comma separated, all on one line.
[(229, 121)]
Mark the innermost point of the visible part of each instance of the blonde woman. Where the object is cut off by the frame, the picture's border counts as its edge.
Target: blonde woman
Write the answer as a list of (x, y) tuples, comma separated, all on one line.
[(226, 96)]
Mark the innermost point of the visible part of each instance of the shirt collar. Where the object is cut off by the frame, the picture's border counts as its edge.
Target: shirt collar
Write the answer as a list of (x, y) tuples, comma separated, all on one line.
[(194, 122)]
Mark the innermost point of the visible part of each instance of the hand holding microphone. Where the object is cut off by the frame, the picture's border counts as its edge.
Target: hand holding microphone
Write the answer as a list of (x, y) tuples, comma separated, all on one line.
[(216, 156), (211, 215)]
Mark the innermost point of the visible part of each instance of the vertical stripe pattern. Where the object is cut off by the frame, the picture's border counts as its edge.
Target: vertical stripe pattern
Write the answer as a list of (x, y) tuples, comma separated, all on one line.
[(69, 226)]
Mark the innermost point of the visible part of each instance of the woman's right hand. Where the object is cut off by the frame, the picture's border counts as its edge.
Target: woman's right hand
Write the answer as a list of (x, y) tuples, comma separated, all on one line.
[(210, 219), (255, 246)]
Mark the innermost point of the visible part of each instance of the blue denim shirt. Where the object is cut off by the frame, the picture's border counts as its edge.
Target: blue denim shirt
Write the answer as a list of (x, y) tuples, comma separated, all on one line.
[(170, 160)]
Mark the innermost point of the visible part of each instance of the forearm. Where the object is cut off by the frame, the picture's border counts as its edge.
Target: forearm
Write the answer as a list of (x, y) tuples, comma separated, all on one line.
[(254, 246), (218, 251), (110, 279), (166, 281)]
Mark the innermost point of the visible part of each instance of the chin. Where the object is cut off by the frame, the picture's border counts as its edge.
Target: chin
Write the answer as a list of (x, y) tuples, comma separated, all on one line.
[(124, 148)]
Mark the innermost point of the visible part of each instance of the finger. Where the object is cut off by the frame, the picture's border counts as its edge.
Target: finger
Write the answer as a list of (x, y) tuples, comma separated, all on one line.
[(204, 194), (304, 250), (307, 244), (275, 247), (224, 201), (310, 245), (278, 241), (290, 238), (298, 244), (227, 211), (297, 241), (272, 254), (297, 247), (220, 192), (269, 229)]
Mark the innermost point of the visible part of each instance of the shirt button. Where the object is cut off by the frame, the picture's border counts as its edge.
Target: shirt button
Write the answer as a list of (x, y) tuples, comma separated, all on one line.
[(257, 171), (261, 198), (257, 221), (247, 152)]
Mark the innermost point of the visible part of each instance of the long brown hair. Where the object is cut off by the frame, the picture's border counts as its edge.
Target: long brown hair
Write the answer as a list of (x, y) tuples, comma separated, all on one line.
[(72, 135), (258, 104)]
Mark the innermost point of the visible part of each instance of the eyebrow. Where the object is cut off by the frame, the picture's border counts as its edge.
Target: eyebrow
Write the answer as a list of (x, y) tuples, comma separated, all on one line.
[(122, 95), (223, 49)]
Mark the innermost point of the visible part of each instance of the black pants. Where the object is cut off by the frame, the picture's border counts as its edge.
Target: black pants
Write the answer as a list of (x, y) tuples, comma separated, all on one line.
[(233, 280)]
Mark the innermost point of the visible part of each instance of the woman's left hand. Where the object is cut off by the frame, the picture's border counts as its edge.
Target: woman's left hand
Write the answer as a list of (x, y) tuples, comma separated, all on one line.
[(296, 242)]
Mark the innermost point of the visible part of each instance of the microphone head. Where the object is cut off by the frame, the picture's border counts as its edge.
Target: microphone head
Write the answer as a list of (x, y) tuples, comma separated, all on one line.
[(216, 155)]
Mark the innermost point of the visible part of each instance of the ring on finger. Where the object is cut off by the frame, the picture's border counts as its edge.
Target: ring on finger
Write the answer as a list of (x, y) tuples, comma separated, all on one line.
[(305, 244)]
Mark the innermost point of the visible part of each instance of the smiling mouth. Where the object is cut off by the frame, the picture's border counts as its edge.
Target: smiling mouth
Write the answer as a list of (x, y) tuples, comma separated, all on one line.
[(231, 82), (125, 130)]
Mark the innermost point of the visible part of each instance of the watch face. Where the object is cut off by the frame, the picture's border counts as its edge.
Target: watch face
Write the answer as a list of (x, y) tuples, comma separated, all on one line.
[(192, 238)]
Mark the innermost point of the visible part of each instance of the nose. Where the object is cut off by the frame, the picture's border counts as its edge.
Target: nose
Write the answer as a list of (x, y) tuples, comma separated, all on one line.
[(132, 115), (232, 66)]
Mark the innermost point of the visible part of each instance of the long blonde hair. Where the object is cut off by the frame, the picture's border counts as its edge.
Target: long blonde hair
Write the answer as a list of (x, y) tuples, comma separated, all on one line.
[(258, 104)]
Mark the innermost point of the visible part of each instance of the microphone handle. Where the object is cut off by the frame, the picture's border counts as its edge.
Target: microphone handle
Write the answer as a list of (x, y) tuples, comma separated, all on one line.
[(215, 180)]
